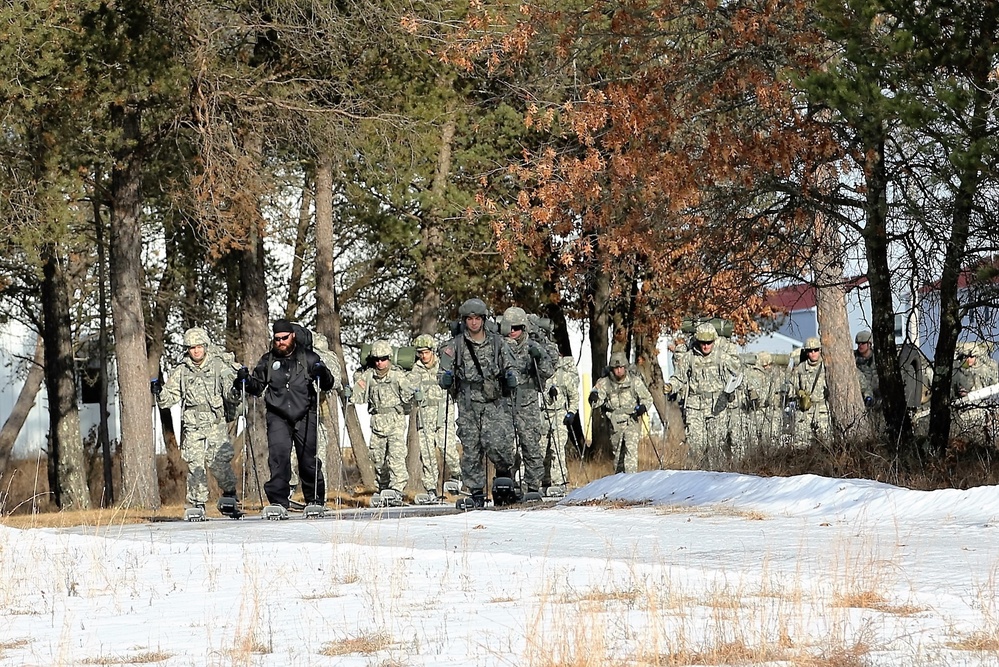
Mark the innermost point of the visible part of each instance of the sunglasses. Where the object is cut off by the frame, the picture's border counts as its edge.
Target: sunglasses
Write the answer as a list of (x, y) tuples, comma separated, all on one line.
[(518, 327), (281, 339)]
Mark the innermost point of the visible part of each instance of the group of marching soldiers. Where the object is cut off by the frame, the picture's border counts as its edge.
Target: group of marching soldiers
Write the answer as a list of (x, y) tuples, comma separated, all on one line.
[(503, 393)]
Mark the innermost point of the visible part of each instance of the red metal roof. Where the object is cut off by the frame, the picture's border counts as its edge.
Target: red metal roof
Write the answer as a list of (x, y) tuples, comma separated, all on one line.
[(801, 296)]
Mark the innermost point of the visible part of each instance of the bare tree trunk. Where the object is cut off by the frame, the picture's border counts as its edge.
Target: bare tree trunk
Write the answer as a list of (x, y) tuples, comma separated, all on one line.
[(67, 462), (328, 311), (141, 486), (846, 403), (425, 313), (298, 259), (600, 318), (22, 406)]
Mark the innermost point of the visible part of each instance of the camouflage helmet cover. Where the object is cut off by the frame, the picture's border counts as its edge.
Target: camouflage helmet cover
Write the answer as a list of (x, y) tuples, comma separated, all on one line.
[(424, 342), (473, 307), (764, 359), (196, 336), (381, 348), (863, 337), (705, 333), (618, 360), (514, 316), (813, 343)]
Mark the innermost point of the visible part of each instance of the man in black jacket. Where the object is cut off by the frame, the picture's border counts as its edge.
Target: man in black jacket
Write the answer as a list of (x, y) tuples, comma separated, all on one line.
[(287, 377)]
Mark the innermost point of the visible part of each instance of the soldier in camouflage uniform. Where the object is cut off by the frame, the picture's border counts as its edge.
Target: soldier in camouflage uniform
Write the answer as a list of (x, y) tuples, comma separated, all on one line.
[(530, 370), (200, 383), (388, 395), (700, 378), (867, 372), (434, 420), (808, 382), (975, 370), (762, 400), (473, 368), (625, 400), (560, 402)]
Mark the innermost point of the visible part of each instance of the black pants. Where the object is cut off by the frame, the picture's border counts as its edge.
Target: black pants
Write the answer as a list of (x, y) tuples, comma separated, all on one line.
[(282, 434)]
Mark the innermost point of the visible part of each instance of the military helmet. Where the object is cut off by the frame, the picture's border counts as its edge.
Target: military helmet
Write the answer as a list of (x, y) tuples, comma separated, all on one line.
[(813, 343), (381, 348), (196, 336), (473, 307), (423, 342), (705, 333), (764, 359), (863, 337), (513, 316), (618, 359)]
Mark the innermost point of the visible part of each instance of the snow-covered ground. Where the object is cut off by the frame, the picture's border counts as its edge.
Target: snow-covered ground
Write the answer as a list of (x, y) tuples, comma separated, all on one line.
[(674, 568)]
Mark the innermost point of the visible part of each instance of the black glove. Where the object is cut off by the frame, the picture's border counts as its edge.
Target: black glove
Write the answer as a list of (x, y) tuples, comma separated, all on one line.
[(553, 393), (318, 369), (593, 398), (535, 351), (569, 418), (446, 380), (243, 374), (156, 387), (639, 411), (868, 401), (511, 380)]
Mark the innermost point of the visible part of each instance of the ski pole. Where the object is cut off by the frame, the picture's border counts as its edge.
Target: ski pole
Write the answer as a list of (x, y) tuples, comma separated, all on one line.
[(443, 471), (552, 444), (318, 462), (648, 434)]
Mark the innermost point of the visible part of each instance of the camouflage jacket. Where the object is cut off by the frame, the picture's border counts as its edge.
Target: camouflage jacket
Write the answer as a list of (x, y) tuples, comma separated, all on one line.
[(390, 393), (483, 382), (967, 379), (867, 373), (700, 379), (810, 379), (620, 397), (201, 389), (763, 387), (565, 382), (531, 375)]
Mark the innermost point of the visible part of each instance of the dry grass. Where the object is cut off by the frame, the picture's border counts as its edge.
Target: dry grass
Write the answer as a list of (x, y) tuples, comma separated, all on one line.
[(976, 641), (364, 645), (13, 644), (137, 659)]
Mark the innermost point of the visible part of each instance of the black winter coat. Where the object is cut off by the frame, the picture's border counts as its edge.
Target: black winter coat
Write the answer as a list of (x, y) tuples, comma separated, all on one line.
[(287, 383)]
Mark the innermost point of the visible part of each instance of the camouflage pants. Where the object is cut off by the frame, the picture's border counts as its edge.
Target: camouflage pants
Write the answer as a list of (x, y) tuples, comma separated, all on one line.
[(742, 434), (554, 439), (485, 430), (624, 438), (706, 436), (204, 449), (432, 440), (811, 425), (528, 428), (388, 451)]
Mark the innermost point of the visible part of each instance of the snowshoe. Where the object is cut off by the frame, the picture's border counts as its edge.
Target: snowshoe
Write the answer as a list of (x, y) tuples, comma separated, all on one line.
[(453, 487), (475, 501), (229, 506), (504, 491), (392, 498), (314, 510), (376, 500), (555, 491), (195, 513), (428, 498), (532, 497), (274, 512)]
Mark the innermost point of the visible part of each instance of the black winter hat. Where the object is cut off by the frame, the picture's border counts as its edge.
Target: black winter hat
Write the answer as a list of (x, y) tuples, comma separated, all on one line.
[(283, 326)]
